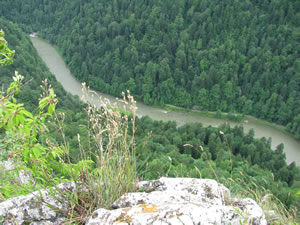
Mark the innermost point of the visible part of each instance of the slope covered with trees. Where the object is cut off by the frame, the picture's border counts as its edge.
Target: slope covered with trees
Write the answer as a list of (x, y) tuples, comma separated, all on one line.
[(229, 155), (237, 56), (29, 64), (226, 154)]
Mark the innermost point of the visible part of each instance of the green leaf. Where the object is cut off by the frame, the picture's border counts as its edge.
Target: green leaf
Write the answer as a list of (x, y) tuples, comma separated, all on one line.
[(36, 152), (50, 109), (44, 102), (53, 208), (26, 113)]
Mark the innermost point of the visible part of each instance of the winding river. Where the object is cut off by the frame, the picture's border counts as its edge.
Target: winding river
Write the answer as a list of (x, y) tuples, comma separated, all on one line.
[(57, 66)]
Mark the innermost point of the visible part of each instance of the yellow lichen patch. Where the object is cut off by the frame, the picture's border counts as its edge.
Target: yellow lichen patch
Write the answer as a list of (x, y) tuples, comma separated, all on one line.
[(123, 218), (179, 214), (148, 208), (125, 209)]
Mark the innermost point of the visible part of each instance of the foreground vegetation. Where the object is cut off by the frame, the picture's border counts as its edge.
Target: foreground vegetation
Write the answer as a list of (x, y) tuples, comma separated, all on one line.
[(105, 169)]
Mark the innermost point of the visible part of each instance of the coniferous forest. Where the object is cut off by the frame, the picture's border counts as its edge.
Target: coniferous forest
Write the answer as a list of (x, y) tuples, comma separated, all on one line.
[(229, 56)]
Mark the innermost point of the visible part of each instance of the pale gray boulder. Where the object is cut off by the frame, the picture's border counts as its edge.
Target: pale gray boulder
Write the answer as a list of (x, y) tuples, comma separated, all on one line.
[(22, 176), (34, 208), (182, 201)]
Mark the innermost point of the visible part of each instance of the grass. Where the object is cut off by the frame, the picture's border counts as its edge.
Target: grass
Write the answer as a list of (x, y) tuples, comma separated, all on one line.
[(3, 178), (275, 211), (108, 165), (247, 187)]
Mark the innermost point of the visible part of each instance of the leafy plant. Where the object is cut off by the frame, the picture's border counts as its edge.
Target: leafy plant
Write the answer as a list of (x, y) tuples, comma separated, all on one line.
[(107, 166), (20, 130), (6, 55)]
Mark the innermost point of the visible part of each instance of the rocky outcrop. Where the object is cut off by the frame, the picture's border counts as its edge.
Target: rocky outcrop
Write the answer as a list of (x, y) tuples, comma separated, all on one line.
[(22, 177), (40, 207), (164, 201), (182, 201)]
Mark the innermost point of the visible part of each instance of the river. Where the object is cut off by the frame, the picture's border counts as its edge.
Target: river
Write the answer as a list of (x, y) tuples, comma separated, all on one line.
[(57, 66)]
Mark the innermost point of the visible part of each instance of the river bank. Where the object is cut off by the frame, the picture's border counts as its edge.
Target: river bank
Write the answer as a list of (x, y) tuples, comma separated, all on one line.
[(56, 65), (219, 115), (225, 116)]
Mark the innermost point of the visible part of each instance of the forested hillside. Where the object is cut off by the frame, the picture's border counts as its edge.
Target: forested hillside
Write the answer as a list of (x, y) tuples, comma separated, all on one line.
[(237, 56), (226, 154), (245, 164), (28, 63)]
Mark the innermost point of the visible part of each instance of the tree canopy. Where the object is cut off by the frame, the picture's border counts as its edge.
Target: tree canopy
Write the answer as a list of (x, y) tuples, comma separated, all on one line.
[(232, 56), (158, 68)]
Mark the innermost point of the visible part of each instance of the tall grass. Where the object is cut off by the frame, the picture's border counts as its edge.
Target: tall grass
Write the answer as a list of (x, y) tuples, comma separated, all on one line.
[(246, 186), (108, 163), (106, 168), (275, 211)]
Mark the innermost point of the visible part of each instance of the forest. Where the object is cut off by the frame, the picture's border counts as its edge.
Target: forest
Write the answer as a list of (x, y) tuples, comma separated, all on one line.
[(30, 65), (228, 56), (162, 149)]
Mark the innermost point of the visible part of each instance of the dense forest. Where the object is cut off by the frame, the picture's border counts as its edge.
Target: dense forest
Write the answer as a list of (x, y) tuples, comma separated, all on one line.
[(226, 154), (231, 56), (217, 153)]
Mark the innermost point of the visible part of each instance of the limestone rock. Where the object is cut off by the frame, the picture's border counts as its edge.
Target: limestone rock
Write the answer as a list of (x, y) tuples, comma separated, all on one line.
[(179, 201), (32, 208), (23, 176)]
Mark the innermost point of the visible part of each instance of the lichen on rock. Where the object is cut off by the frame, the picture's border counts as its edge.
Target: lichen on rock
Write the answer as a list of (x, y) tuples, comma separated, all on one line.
[(36, 208), (184, 201), (179, 201)]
